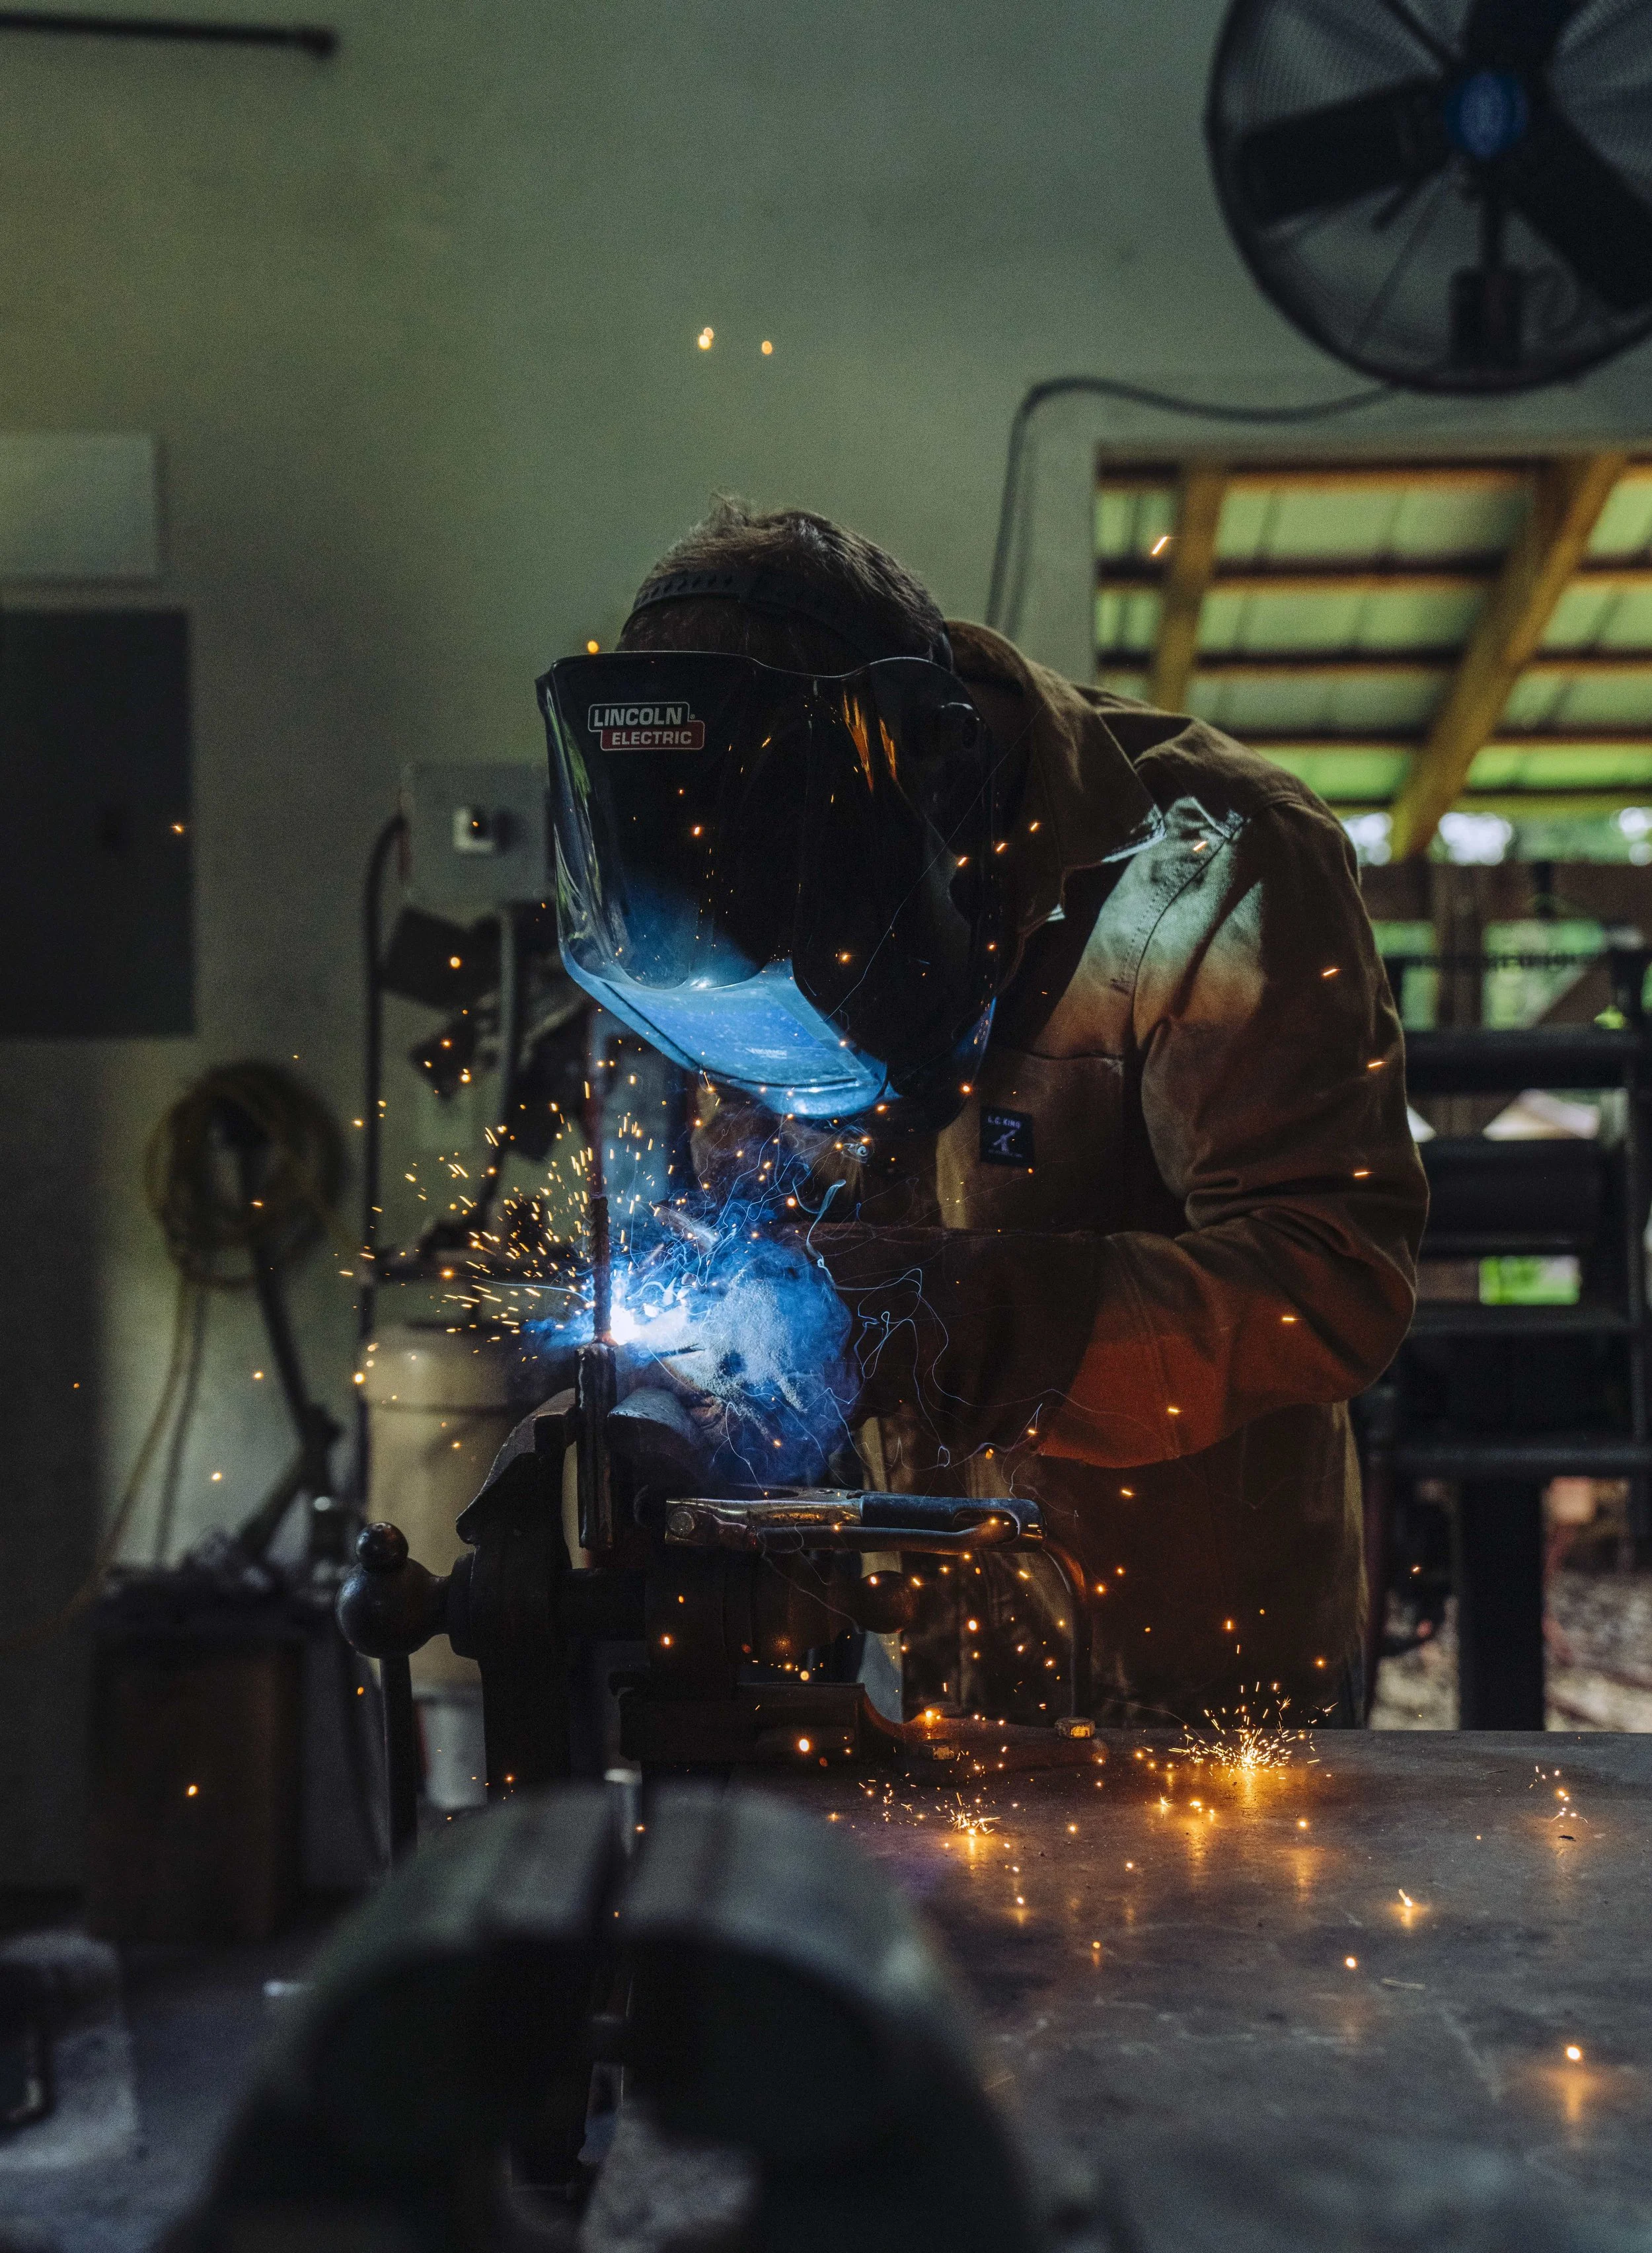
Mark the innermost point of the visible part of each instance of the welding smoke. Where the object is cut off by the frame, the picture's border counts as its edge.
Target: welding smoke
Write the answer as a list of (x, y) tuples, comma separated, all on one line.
[(763, 1344), (745, 1325)]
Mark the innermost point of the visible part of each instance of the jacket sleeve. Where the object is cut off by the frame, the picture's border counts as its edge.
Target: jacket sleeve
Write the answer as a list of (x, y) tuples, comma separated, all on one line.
[(1271, 1074)]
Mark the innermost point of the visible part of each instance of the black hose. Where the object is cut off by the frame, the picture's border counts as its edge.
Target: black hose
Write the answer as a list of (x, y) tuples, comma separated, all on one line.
[(512, 1030), (372, 1061), (1106, 386), (203, 1214), (387, 841)]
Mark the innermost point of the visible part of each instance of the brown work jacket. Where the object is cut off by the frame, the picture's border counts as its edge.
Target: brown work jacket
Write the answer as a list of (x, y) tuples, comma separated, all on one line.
[(1174, 1229)]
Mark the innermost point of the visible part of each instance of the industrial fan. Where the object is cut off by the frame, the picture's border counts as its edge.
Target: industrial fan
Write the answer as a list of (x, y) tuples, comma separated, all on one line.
[(1453, 195)]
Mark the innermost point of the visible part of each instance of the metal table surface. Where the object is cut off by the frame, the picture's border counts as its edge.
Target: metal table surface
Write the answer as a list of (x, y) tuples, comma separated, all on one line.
[(1374, 1960)]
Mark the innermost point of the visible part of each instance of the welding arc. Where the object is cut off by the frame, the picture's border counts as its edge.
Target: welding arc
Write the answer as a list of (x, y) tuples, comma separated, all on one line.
[(30, 1638)]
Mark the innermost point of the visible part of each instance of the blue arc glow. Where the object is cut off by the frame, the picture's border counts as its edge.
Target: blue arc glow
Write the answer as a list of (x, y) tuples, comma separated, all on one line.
[(729, 1308)]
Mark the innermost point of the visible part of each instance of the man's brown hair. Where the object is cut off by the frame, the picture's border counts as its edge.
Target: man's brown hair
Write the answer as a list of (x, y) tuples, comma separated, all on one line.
[(894, 611)]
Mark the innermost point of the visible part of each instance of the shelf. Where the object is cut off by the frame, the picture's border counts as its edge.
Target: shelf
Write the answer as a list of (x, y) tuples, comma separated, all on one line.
[(1467, 1318), (1538, 1455), (1505, 1244), (1476, 1061)]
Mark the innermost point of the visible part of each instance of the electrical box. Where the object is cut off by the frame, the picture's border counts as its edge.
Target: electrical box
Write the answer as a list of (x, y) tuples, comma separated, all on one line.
[(95, 903), (479, 836)]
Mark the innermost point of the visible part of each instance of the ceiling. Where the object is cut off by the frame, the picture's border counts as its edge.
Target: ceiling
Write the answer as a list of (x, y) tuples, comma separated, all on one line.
[(1410, 635)]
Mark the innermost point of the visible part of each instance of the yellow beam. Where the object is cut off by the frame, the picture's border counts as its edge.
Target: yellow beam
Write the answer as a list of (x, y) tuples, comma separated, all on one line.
[(1193, 558), (1566, 506)]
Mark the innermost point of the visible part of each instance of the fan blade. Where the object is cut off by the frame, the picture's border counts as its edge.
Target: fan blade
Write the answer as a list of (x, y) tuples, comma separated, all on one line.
[(1583, 208), (1517, 35), (1323, 157)]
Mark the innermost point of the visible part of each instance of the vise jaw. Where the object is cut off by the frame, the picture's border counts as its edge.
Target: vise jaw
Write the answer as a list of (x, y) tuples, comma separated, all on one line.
[(762, 1985)]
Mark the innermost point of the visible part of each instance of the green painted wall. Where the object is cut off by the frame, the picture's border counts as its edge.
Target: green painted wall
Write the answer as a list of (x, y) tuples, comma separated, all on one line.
[(416, 330)]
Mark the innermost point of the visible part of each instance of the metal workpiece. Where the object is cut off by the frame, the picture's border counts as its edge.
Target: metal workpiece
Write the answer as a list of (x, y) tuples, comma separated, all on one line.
[(778, 1519), (1391, 1990), (596, 1387)]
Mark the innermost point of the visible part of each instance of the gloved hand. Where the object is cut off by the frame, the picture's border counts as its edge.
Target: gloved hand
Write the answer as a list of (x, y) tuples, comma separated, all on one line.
[(980, 1333), (753, 1350)]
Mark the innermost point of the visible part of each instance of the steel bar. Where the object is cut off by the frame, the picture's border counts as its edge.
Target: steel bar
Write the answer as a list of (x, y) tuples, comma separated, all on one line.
[(1474, 1060), (1362, 664), (1442, 575), (317, 39), (1538, 1457), (1498, 1532), (401, 1753)]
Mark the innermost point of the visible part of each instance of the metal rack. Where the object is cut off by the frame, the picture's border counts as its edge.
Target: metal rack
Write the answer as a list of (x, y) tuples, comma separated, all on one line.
[(1491, 1199)]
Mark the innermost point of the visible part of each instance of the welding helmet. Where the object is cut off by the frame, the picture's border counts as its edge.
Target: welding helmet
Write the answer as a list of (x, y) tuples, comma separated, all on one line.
[(787, 881)]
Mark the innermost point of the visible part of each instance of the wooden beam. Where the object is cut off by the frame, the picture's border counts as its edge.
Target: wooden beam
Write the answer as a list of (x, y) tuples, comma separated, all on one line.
[(1542, 562), (1362, 664), (1449, 575), (1588, 664), (1288, 665), (1333, 664), (1192, 560), (1519, 805), (1329, 476), (1404, 739), (1493, 475), (1455, 575)]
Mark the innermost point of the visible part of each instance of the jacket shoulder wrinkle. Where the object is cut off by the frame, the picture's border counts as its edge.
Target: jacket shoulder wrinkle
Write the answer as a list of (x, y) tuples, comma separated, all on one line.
[(1200, 762)]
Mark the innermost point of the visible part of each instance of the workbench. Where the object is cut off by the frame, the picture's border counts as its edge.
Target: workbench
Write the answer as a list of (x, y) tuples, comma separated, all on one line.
[(1157, 1954), (1356, 1976)]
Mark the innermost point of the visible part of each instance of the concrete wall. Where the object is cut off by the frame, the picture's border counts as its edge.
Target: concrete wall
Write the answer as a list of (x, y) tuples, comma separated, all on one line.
[(415, 329)]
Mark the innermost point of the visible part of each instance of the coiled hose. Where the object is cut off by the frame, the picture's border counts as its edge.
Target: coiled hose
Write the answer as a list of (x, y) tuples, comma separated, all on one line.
[(204, 1213), (272, 1209)]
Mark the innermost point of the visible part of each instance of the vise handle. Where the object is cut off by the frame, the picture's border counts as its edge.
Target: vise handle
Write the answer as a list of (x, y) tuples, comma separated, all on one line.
[(393, 1605)]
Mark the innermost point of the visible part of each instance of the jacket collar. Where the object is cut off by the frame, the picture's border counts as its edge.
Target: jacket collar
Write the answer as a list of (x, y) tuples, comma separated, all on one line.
[(1082, 802)]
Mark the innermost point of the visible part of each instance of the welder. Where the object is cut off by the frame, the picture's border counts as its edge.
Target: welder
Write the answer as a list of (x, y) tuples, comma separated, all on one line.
[(1072, 1011)]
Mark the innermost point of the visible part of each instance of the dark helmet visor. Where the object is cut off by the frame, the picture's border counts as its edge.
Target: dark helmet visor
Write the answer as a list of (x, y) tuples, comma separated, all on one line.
[(785, 880)]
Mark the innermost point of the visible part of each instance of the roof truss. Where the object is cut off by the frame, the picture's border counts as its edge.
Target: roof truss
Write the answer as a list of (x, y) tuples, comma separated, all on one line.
[(1483, 653)]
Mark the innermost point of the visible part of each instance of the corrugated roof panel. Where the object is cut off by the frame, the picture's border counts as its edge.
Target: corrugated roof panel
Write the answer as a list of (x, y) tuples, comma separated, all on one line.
[(1576, 767), (1335, 620), (1615, 617), (1345, 775), (1591, 701), (1319, 523), (1125, 621), (1128, 523), (1356, 703), (1624, 526)]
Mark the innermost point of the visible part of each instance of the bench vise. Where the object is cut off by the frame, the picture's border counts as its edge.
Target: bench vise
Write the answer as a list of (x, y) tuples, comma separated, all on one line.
[(728, 1594)]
